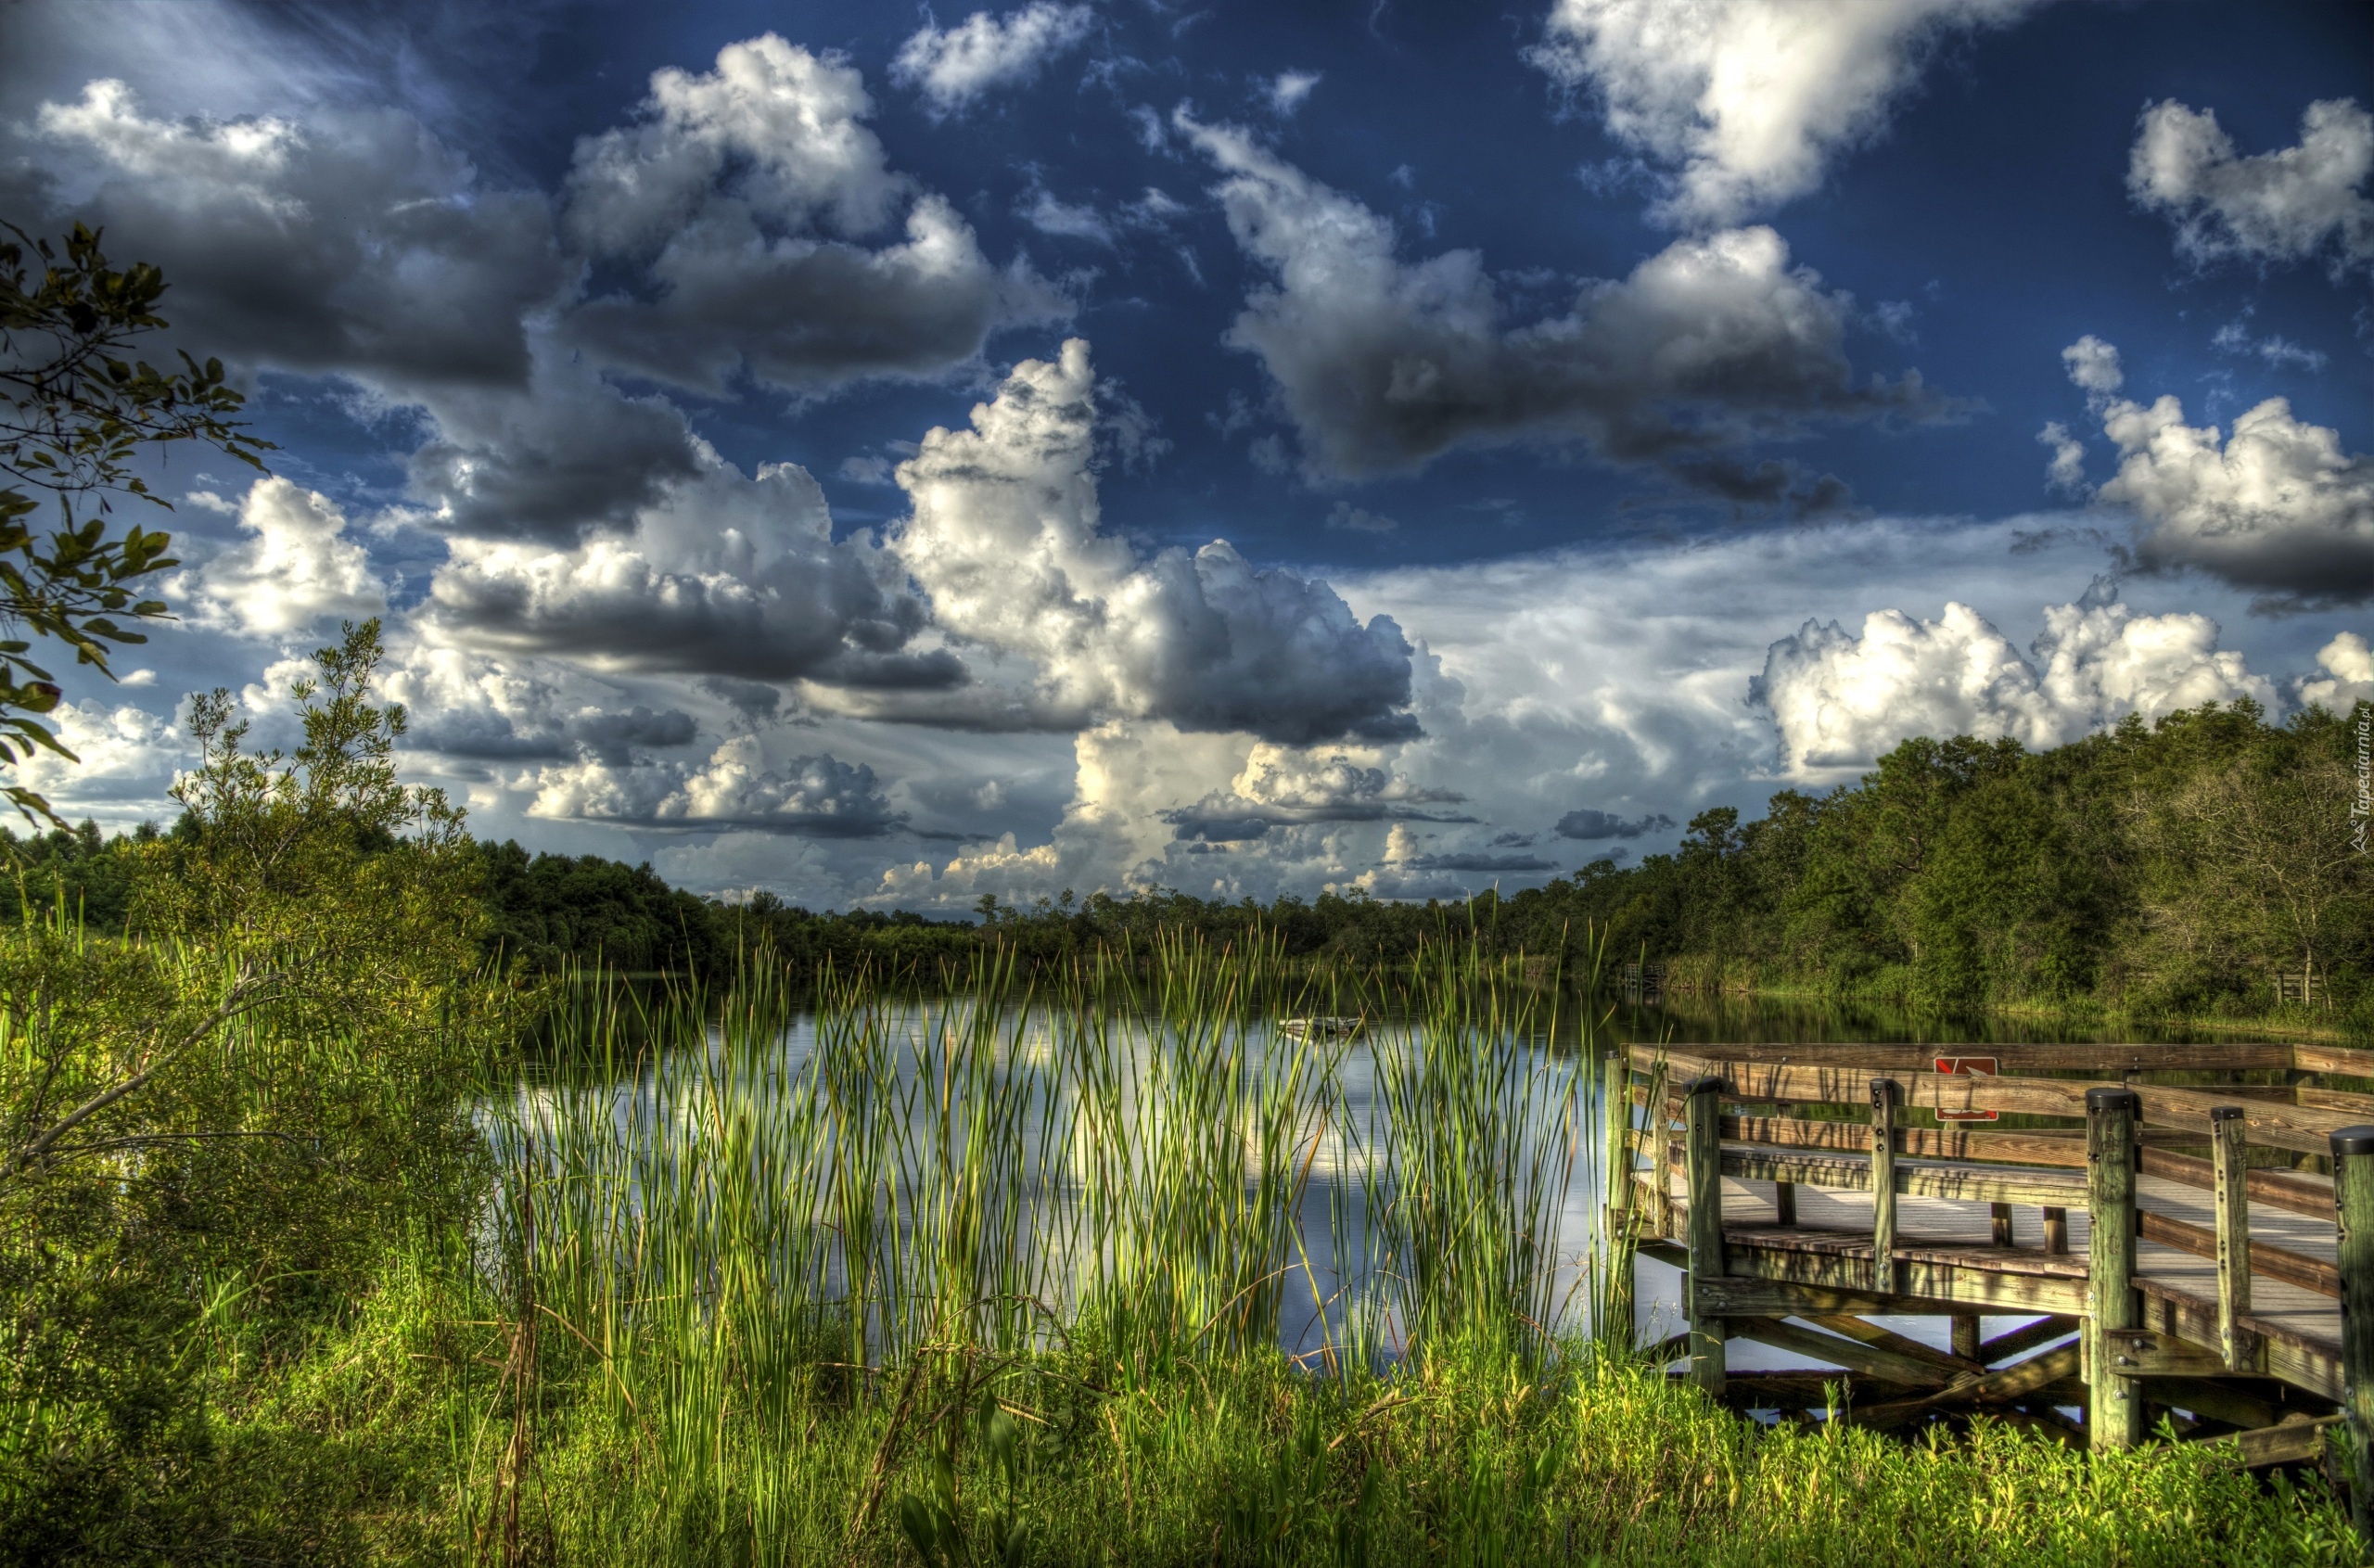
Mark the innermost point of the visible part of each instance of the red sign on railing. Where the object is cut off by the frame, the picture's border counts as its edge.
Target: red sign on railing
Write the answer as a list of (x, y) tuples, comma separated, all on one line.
[(1963, 1066)]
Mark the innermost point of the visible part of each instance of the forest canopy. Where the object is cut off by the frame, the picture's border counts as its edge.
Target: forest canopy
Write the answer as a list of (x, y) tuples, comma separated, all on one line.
[(2174, 868)]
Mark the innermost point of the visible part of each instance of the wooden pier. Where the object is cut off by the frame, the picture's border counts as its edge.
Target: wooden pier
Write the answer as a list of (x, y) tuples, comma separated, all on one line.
[(2190, 1228)]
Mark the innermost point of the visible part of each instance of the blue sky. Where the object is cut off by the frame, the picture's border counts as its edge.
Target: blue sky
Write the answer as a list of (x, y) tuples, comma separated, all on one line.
[(888, 456)]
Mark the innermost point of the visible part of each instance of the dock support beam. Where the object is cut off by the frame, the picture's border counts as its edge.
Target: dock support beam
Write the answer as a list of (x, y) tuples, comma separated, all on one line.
[(2229, 1146), (2354, 1212), (2115, 1412), (1616, 1120), (1702, 1169), (1884, 1096)]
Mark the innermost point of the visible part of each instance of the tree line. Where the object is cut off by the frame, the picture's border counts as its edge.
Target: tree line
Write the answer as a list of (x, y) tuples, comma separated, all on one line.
[(2175, 868)]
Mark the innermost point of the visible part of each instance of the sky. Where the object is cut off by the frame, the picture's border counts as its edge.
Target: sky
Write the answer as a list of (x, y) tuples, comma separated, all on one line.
[(886, 457)]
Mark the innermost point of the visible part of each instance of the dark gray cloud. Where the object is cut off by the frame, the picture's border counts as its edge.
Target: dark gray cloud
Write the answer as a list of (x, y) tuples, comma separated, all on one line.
[(354, 244), (492, 736), (1592, 825), (724, 576), (745, 196), (1476, 863), (1382, 365), (568, 454)]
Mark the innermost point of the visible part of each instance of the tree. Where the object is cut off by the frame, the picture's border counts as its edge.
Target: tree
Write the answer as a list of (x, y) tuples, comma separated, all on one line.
[(242, 1102), (75, 413)]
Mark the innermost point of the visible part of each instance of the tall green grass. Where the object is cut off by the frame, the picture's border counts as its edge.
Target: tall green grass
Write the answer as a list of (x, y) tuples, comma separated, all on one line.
[(1110, 1269)]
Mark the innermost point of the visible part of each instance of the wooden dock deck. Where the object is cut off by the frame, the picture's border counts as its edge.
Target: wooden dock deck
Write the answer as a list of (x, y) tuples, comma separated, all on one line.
[(2170, 1218)]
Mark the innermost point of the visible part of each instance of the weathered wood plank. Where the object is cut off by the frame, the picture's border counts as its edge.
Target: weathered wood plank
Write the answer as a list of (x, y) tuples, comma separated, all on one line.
[(2291, 1357), (2333, 1058), (1948, 1364), (2298, 1128), (1913, 1178), (2294, 1440), (1875, 1360), (2294, 1192), (1745, 1297), (2035, 1373), (2027, 1337), (2043, 1056), (1928, 1280), (2276, 1263), (2150, 1353), (2058, 1149)]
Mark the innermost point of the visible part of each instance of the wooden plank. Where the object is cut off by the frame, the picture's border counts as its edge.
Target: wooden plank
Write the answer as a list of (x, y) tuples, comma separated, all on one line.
[(2276, 1263), (1804, 1390), (2294, 1440), (2029, 1377), (2058, 1149), (2106, 1059), (2333, 1058), (1744, 1296), (2358, 1106), (1928, 1280), (1875, 1360), (2232, 1400), (2027, 1337), (2150, 1353), (2294, 1192), (2291, 1357), (1948, 1364), (2301, 1128), (1935, 1179)]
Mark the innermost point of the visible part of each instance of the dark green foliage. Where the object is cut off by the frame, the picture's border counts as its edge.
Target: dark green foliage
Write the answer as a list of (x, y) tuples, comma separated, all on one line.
[(74, 413), (555, 910)]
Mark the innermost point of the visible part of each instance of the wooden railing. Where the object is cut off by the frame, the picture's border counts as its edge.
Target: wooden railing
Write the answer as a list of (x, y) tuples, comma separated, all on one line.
[(2116, 1129)]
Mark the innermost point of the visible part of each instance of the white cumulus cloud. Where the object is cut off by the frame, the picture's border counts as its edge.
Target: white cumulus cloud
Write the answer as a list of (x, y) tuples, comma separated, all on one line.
[(951, 67), (2283, 206), (1746, 101), (1384, 364), (817, 796), (2348, 663), (296, 568), (1840, 699), (1004, 538)]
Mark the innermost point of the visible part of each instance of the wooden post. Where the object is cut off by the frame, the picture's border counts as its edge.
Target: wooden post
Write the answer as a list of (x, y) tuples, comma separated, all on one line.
[(2115, 1412), (1883, 1099), (2353, 1213), (1965, 1335), (1616, 1121), (2056, 1230), (2229, 1147), (1784, 1203), (1615, 1090), (1702, 1169), (2000, 1215)]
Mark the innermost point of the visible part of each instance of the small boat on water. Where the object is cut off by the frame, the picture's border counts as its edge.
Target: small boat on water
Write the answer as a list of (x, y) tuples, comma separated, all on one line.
[(1319, 1028)]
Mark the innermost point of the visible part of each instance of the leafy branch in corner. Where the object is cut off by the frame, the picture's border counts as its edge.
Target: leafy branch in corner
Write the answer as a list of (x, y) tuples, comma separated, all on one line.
[(76, 409)]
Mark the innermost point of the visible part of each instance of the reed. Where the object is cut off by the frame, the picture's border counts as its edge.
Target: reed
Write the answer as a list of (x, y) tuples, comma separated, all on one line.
[(1105, 1267)]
